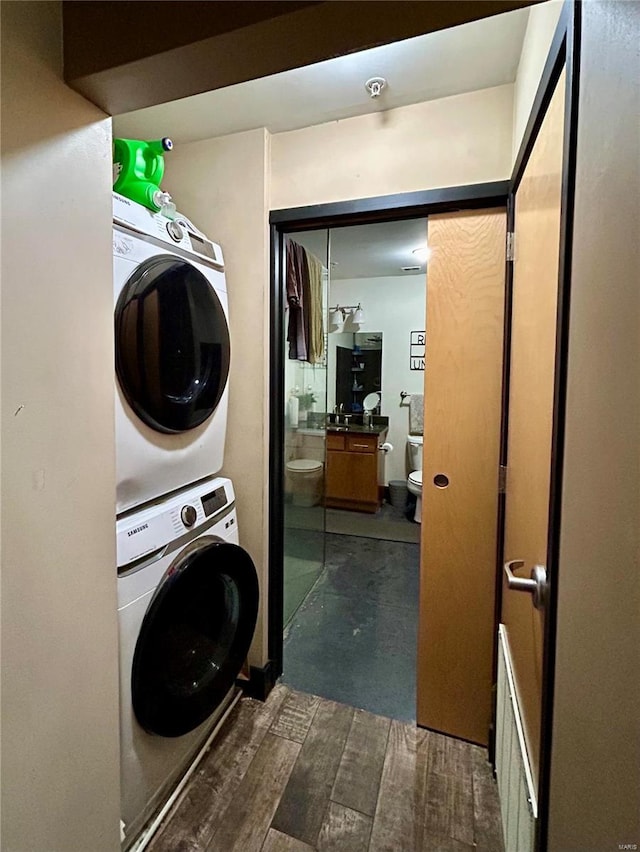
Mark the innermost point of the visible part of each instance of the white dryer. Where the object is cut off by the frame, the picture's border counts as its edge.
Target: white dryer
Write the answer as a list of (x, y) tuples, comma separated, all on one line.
[(187, 609), (172, 354)]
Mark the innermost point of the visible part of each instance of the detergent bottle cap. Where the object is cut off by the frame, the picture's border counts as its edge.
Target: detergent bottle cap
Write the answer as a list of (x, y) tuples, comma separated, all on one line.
[(163, 202)]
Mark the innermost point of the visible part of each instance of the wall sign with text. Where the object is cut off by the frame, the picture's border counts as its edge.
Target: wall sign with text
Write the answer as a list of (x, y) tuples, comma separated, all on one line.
[(417, 350)]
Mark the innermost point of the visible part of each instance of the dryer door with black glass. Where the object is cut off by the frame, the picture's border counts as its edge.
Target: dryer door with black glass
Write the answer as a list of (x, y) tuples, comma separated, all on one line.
[(172, 344)]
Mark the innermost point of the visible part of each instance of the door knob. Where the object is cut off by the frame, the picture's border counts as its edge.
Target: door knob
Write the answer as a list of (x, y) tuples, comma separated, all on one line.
[(536, 585)]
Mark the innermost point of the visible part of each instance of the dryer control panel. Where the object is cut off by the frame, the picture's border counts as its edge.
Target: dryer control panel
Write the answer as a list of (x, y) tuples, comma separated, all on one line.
[(149, 530), (179, 232)]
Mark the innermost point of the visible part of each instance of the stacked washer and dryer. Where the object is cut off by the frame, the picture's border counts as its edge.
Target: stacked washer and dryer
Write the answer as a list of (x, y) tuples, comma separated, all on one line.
[(187, 593)]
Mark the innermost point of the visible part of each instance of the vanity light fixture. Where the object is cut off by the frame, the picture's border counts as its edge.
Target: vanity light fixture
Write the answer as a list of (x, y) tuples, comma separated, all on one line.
[(357, 318), (336, 319), (338, 315)]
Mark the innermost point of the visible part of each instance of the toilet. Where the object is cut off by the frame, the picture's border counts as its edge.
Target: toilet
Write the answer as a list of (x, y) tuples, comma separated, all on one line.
[(414, 480), (305, 481)]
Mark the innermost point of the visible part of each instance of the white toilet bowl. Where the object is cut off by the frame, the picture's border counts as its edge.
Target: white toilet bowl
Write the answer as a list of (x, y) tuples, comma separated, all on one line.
[(414, 484), (414, 480), (305, 481)]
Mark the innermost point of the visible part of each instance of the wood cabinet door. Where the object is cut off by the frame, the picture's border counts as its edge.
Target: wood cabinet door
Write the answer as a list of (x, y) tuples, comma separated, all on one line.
[(352, 477)]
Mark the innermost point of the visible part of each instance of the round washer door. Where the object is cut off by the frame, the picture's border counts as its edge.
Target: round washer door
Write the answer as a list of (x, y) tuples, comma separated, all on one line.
[(194, 637), (172, 344)]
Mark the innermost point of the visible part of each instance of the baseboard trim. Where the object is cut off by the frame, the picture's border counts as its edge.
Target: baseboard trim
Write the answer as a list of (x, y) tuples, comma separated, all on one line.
[(260, 682)]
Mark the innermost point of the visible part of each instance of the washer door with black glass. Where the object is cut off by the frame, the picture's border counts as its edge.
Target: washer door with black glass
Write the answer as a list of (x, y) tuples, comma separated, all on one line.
[(172, 344), (194, 638)]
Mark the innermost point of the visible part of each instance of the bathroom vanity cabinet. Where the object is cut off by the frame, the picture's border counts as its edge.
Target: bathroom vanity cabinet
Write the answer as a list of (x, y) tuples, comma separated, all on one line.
[(355, 470)]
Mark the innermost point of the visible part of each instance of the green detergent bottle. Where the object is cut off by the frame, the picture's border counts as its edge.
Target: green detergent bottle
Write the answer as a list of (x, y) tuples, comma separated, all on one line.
[(138, 169)]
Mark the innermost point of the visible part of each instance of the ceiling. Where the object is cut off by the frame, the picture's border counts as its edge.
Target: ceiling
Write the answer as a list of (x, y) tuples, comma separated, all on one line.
[(376, 250), (473, 56)]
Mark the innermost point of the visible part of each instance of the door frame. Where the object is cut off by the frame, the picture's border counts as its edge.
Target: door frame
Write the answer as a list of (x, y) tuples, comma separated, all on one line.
[(563, 53), (409, 205)]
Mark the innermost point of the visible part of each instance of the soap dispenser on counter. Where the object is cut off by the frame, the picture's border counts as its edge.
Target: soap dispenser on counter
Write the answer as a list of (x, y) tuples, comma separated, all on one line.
[(293, 410)]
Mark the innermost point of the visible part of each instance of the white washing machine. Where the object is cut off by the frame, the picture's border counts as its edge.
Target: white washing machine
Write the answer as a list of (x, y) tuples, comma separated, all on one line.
[(187, 609), (172, 354)]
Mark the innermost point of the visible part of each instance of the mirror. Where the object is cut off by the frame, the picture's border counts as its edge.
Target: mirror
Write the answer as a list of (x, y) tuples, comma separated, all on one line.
[(358, 365), (371, 401)]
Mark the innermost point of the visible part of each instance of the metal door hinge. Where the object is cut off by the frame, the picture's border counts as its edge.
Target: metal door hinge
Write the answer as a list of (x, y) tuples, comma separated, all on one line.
[(511, 246), (502, 479)]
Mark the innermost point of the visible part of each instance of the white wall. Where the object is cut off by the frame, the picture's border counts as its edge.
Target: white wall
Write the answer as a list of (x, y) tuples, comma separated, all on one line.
[(595, 765), (395, 306), (543, 19), (447, 142), (222, 184), (60, 760)]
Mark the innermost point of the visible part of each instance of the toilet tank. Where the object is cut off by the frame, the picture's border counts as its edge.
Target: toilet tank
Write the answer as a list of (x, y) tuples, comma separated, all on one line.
[(414, 444)]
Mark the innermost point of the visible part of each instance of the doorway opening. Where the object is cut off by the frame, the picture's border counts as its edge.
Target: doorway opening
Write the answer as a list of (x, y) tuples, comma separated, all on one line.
[(349, 588), (351, 530)]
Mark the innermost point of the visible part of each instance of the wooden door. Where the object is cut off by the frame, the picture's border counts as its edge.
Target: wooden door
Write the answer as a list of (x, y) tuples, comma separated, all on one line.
[(530, 409), (463, 392)]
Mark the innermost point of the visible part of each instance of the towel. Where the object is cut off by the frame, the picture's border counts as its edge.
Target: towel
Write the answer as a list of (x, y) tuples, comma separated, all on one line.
[(315, 342), (416, 414), (297, 287)]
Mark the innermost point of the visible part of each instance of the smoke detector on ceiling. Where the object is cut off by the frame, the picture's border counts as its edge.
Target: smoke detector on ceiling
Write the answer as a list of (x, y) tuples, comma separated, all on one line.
[(375, 85)]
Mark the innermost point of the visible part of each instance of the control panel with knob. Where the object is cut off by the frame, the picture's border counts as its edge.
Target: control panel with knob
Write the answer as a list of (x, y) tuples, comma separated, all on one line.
[(175, 231), (188, 515)]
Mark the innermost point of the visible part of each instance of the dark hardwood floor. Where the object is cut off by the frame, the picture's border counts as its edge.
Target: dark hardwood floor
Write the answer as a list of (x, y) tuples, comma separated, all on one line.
[(300, 773)]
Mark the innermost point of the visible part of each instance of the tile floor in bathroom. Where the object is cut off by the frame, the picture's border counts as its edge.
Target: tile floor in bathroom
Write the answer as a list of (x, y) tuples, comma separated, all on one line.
[(303, 562), (300, 773), (387, 523), (353, 637)]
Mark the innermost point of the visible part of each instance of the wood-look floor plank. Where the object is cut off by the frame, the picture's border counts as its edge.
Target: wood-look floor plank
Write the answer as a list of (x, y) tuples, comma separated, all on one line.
[(358, 779), (192, 821), (275, 841), (450, 756), (295, 716), (428, 786), (437, 843), (246, 821), (344, 830), (305, 800), (486, 805), (449, 797), (449, 807), (398, 822)]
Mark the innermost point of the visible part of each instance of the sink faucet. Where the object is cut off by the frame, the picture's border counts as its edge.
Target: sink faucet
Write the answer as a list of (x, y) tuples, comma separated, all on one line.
[(337, 410)]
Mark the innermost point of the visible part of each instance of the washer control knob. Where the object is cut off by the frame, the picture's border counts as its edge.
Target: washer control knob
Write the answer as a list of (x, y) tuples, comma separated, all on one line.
[(188, 515), (175, 231)]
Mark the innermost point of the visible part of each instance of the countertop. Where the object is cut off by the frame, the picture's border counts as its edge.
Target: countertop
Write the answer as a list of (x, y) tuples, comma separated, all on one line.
[(380, 425), (357, 429)]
